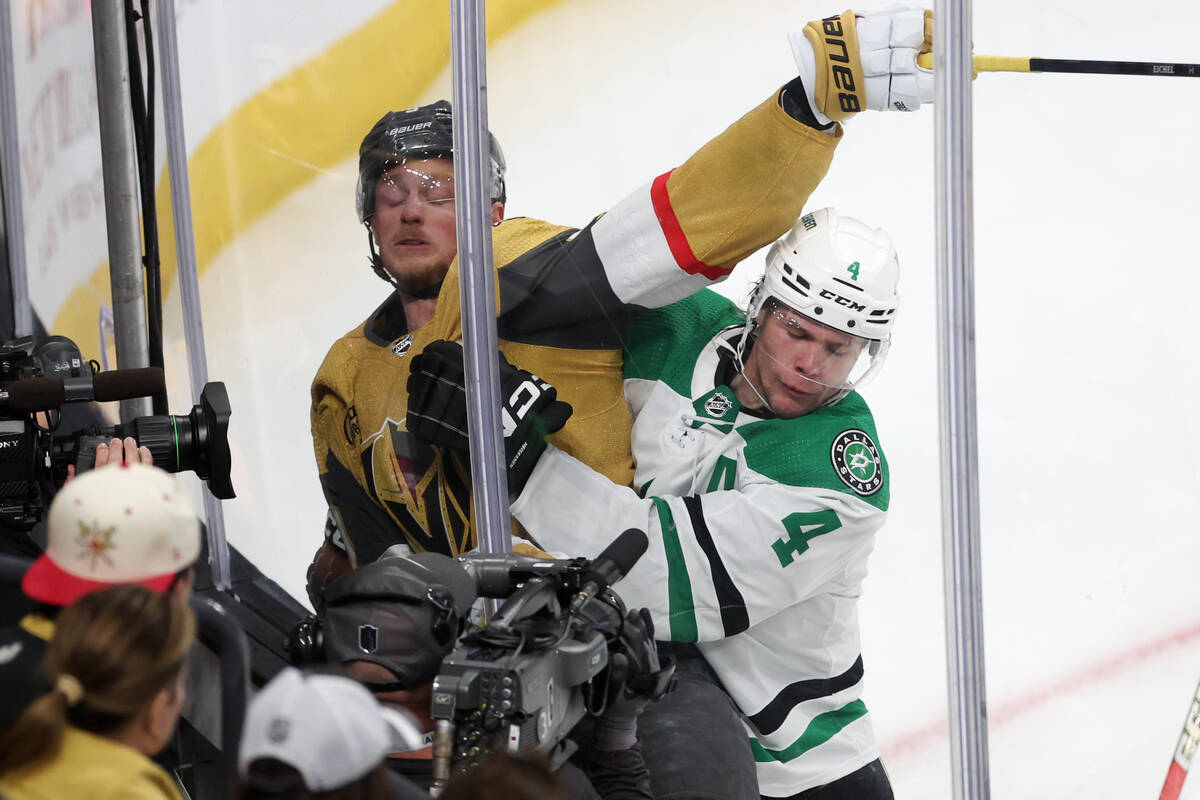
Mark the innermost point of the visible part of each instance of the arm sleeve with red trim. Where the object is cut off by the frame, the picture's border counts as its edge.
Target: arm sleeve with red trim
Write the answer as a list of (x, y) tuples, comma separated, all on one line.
[(692, 225)]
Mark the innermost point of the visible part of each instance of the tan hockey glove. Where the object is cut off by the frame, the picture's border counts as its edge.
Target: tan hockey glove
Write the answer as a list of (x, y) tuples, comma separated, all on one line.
[(851, 62)]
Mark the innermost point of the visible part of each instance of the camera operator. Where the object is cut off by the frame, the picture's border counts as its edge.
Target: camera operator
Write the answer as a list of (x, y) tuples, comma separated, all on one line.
[(14, 604), (50, 431), (390, 624), (118, 451), (106, 527)]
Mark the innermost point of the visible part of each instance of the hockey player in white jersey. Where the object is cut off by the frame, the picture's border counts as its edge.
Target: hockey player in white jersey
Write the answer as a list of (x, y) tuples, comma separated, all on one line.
[(761, 483)]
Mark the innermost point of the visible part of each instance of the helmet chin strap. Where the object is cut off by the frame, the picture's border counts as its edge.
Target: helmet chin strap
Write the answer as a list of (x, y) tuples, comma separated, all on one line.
[(376, 261), (746, 342), (740, 365)]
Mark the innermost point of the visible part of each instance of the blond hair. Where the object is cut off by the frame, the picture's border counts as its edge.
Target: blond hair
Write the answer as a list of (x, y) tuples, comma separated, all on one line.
[(112, 652)]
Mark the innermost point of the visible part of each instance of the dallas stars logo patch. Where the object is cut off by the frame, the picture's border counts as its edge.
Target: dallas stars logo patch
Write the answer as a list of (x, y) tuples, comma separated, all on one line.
[(856, 461)]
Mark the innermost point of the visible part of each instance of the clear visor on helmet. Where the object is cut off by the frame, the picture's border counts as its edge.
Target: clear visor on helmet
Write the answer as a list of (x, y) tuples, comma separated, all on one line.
[(812, 353), (416, 179)]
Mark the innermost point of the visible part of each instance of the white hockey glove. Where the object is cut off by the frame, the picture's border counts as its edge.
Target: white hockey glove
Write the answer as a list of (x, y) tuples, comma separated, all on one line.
[(851, 62)]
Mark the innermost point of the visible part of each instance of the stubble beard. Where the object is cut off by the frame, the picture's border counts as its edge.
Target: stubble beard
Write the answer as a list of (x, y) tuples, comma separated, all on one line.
[(418, 280)]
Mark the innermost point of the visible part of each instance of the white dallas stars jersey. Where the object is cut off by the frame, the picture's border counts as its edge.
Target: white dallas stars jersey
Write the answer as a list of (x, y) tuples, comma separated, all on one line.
[(759, 533)]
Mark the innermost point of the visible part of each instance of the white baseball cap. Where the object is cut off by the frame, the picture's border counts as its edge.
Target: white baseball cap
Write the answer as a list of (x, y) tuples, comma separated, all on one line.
[(329, 728), (123, 523)]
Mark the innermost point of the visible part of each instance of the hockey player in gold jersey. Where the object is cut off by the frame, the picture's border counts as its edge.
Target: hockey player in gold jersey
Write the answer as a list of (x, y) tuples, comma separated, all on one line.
[(565, 295)]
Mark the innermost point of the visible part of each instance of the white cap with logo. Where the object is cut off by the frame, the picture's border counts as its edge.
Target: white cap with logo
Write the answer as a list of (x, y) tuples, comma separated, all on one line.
[(328, 728), (123, 523)]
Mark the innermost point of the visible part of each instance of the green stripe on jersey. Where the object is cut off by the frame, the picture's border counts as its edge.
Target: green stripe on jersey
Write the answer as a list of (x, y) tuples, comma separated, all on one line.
[(682, 609), (798, 452), (823, 728), (659, 335)]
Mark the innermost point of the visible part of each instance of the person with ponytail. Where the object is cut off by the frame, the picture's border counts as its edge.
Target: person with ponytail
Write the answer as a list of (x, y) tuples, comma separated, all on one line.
[(116, 666)]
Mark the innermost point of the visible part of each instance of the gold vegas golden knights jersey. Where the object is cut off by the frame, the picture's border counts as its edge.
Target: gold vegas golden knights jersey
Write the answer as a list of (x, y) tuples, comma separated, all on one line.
[(565, 298)]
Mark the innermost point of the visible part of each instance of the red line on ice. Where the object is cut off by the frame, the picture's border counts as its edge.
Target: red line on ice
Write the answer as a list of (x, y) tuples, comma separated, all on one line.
[(1002, 713)]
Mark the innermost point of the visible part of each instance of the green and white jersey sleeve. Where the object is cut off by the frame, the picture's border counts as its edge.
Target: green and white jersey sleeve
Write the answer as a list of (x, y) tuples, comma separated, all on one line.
[(759, 532)]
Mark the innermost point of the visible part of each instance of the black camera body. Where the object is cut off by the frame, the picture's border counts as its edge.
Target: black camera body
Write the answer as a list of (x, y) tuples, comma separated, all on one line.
[(525, 679), (38, 378), (557, 650), (542, 662)]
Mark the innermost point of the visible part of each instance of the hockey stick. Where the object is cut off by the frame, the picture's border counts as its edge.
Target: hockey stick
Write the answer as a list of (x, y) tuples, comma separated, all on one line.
[(1188, 740), (1023, 64)]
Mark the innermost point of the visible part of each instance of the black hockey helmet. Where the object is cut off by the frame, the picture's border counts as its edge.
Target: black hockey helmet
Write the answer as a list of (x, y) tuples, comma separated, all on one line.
[(414, 133)]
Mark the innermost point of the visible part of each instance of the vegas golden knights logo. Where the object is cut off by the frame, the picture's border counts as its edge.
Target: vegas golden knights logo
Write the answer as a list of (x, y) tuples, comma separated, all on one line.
[(427, 492)]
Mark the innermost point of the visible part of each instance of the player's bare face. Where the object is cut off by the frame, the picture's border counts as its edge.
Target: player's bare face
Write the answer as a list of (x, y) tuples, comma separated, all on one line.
[(798, 364), (413, 223)]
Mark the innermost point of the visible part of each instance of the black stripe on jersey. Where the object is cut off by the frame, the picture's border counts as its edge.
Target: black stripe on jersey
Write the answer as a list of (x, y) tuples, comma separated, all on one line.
[(558, 295), (441, 530), (733, 606), (387, 323), (772, 716), (458, 490), (367, 526)]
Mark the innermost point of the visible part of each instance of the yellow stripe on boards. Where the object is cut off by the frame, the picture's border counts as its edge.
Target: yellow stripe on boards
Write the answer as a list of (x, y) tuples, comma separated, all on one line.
[(308, 121)]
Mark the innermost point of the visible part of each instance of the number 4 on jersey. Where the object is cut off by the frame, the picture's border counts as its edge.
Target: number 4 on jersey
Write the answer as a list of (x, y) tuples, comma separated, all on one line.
[(802, 527)]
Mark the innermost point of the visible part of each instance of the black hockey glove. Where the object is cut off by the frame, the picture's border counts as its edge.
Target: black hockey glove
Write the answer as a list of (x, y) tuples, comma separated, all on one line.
[(635, 679), (437, 408)]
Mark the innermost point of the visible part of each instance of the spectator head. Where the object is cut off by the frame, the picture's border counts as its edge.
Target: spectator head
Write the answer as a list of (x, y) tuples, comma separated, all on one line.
[(391, 622), (128, 523), (117, 667), (404, 614), (318, 735)]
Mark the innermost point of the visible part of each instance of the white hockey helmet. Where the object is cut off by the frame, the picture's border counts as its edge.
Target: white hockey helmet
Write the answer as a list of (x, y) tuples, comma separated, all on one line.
[(839, 272)]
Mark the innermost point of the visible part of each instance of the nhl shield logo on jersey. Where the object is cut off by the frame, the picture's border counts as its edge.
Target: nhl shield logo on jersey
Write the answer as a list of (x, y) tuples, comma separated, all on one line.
[(717, 408), (401, 345), (718, 405), (856, 461)]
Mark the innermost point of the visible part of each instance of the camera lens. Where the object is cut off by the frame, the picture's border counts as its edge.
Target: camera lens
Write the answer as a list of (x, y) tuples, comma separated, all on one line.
[(198, 442)]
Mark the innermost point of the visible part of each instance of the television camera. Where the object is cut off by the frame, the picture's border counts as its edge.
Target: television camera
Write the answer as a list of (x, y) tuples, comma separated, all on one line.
[(38, 378), (559, 648)]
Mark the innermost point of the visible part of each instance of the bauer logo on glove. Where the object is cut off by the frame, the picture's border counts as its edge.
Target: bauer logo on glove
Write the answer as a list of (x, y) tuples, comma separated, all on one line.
[(851, 62)]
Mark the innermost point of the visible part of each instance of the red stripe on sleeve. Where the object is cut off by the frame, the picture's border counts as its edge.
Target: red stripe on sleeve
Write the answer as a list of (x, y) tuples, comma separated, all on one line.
[(676, 240)]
